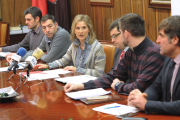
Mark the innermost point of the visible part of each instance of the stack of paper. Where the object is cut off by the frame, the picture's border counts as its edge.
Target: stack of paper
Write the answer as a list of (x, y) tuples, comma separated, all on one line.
[(87, 93), (76, 79), (116, 109)]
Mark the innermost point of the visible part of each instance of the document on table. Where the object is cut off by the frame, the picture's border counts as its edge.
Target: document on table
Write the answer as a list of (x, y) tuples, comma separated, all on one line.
[(76, 79), (57, 71), (87, 93), (40, 75), (116, 109)]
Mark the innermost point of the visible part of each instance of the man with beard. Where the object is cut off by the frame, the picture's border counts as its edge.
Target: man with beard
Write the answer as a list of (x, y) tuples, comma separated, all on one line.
[(33, 38)]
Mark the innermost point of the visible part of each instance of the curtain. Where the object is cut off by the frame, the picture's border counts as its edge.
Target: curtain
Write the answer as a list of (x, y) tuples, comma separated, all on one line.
[(61, 11), (41, 4)]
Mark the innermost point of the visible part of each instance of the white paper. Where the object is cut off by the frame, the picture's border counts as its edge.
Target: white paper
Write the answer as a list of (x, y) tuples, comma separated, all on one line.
[(57, 71), (12, 32), (87, 93), (76, 79), (116, 109), (41, 75), (9, 90), (175, 9), (3, 54)]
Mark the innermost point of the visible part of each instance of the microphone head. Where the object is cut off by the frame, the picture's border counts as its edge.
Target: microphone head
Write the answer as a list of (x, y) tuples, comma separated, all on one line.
[(38, 53), (21, 51)]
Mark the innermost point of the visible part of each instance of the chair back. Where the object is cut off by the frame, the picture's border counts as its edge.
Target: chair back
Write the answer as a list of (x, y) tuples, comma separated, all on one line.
[(4, 33), (109, 50)]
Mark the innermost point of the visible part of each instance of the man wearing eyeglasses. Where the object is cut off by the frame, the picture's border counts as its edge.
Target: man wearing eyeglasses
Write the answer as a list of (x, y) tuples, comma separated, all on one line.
[(115, 38), (139, 66)]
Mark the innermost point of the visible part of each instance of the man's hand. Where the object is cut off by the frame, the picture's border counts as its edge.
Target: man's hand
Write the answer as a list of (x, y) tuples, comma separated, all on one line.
[(137, 99), (114, 82), (8, 57), (40, 66), (72, 87), (70, 68)]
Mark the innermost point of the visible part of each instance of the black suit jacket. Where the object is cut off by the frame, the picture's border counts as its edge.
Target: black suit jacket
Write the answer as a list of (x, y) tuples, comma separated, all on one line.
[(158, 97)]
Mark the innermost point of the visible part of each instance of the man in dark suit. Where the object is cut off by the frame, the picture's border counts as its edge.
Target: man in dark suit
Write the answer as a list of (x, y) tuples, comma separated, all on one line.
[(163, 96)]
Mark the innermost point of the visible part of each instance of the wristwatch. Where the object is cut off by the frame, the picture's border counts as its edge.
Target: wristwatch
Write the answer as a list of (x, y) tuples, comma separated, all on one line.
[(116, 86)]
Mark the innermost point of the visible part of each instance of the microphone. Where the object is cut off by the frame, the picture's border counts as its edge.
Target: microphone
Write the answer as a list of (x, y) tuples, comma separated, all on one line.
[(32, 60), (16, 58)]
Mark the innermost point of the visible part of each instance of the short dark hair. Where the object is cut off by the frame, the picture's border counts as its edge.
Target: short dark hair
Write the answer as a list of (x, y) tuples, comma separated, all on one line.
[(34, 11), (114, 24), (47, 17), (171, 26), (133, 23)]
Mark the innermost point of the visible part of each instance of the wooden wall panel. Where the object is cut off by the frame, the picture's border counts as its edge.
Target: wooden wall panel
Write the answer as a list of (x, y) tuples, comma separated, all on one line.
[(102, 16), (150, 21), (7, 10), (12, 11), (20, 7), (98, 22), (82, 5), (90, 11), (125, 7), (74, 8), (137, 7), (107, 20), (116, 10)]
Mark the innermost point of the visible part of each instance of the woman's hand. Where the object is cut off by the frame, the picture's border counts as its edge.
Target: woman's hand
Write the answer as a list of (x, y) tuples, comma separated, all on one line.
[(40, 66), (70, 68)]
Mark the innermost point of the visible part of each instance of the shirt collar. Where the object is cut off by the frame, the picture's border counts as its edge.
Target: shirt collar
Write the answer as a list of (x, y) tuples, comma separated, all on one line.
[(177, 59), (77, 42), (142, 46), (37, 30)]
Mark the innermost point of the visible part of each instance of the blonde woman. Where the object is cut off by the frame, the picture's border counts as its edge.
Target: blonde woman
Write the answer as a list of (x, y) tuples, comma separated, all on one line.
[(85, 51)]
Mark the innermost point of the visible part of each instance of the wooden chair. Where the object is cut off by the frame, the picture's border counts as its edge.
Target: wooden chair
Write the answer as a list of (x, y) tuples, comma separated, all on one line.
[(4, 33), (109, 50)]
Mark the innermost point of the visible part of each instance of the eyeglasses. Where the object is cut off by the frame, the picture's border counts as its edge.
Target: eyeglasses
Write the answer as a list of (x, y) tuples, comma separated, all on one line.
[(114, 36)]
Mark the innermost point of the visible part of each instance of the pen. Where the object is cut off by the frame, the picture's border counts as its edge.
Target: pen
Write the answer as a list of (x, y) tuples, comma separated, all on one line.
[(111, 107)]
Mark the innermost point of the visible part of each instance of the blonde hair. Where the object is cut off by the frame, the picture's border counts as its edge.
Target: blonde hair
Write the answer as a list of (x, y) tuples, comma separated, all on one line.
[(87, 20)]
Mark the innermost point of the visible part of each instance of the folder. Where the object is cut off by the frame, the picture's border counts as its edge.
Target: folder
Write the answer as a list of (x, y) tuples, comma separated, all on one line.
[(111, 98)]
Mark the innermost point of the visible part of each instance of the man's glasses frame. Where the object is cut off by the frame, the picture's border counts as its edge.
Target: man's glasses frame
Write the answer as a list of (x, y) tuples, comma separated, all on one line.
[(114, 36)]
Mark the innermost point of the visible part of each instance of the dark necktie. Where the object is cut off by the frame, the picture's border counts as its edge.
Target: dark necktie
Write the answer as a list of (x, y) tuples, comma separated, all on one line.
[(169, 77)]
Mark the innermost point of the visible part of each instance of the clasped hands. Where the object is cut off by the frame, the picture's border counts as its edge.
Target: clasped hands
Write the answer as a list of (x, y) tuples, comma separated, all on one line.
[(137, 99)]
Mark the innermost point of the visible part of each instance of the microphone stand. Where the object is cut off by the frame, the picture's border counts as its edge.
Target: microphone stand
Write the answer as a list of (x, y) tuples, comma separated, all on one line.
[(14, 72), (28, 68)]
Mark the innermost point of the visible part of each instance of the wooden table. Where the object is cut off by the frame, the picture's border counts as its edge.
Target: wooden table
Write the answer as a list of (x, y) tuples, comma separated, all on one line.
[(46, 100)]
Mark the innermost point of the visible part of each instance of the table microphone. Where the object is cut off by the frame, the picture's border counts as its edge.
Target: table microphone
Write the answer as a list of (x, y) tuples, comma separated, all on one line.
[(16, 58), (32, 60)]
